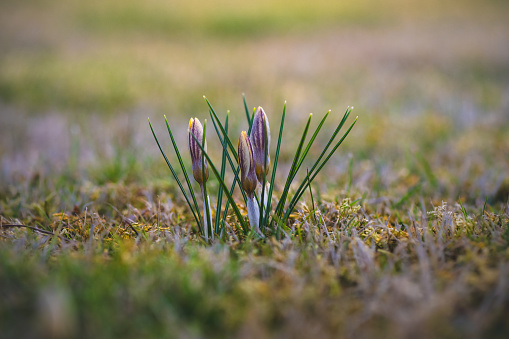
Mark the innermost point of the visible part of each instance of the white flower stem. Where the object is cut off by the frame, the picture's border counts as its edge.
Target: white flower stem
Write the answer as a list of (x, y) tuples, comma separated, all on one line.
[(253, 212), (207, 215)]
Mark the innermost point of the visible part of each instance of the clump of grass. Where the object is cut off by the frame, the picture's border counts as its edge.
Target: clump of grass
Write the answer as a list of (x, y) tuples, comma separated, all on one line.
[(349, 272), (252, 161)]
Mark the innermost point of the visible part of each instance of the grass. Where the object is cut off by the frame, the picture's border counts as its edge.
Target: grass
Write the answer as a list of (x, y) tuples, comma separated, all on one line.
[(404, 233), (354, 272)]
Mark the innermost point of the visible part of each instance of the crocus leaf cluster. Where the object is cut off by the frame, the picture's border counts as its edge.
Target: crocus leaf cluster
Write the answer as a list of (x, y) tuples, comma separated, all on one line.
[(250, 164)]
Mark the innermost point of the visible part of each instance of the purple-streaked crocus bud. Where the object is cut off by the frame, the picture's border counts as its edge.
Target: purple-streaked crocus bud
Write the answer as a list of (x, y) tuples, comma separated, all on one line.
[(246, 164), (196, 129), (260, 139)]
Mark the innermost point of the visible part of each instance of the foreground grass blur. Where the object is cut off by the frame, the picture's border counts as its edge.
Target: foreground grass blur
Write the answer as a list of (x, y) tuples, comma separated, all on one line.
[(341, 271), (410, 234)]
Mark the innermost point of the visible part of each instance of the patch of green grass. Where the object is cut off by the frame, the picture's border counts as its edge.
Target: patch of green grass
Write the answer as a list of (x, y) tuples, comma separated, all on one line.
[(101, 278), (155, 289)]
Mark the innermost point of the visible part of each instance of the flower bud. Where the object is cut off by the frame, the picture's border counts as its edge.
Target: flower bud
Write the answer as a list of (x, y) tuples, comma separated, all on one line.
[(196, 129), (246, 164), (260, 139)]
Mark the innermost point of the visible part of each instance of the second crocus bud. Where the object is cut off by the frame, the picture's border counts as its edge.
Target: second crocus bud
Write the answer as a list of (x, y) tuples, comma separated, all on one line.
[(196, 129), (247, 165), (260, 140)]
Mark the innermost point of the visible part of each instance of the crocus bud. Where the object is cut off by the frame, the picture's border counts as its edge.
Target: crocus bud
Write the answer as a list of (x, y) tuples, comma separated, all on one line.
[(196, 129), (246, 164), (260, 139)]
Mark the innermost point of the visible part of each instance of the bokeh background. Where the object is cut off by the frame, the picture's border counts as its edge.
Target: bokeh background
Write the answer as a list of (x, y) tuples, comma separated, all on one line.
[(429, 81)]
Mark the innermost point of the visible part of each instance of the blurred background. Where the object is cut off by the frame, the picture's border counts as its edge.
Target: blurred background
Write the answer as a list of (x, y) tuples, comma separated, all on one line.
[(428, 80)]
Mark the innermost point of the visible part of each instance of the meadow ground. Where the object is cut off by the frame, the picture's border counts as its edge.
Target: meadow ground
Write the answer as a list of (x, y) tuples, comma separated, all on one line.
[(409, 235)]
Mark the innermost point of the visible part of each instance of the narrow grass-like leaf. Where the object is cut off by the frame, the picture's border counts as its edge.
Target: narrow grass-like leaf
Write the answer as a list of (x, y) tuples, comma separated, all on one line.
[(223, 170), (333, 136), (262, 195), (249, 120), (251, 124), (234, 168), (331, 139), (484, 206), (310, 143), (222, 183), (302, 187), (274, 167), (227, 205), (225, 135), (221, 127), (217, 123), (311, 193), (334, 149), (198, 219), (182, 167), (282, 201), (206, 201), (464, 211)]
